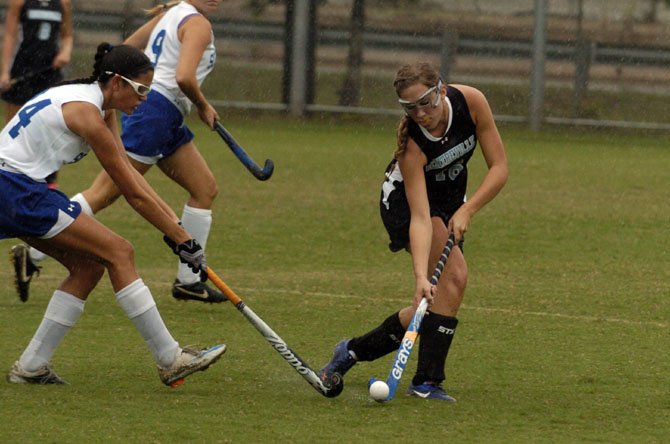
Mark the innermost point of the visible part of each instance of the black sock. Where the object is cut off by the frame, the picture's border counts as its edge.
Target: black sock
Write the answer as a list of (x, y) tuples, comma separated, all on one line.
[(436, 332), (379, 342)]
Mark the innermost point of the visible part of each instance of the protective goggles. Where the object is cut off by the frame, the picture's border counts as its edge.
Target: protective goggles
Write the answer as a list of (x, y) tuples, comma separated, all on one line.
[(141, 89), (424, 100)]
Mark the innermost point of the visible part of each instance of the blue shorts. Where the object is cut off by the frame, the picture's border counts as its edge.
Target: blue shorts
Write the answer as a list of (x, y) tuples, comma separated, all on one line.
[(31, 209), (155, 130)]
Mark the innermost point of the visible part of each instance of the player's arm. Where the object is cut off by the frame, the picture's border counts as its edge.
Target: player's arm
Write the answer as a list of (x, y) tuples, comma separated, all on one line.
[(140, 38), (66, 37), (9, 40), (195, 35), (494, 154), (84, 119), (412, 162)]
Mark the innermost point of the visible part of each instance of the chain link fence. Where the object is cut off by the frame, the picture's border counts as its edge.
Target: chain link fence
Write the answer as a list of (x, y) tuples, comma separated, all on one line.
[(607, 61)]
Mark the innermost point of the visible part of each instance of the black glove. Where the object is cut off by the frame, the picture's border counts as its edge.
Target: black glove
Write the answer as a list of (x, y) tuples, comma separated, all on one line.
[(191, 254), (170, 243)]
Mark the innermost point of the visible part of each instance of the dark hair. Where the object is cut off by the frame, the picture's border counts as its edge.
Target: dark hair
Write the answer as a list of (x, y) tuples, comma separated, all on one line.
[(408, 75), (125, 60)]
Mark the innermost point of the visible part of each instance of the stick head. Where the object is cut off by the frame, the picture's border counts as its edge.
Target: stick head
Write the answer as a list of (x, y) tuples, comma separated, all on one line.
[(335, 385), (266, 172)]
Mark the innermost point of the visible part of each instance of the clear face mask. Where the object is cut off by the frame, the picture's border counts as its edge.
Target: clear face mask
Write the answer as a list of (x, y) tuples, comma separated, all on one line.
[(423, 101), (141, 89)]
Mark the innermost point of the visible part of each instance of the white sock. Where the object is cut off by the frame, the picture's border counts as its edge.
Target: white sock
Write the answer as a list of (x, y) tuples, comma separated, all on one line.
[(36, 256), (62, 313), (85, 207), (196, 222), (139, 305)]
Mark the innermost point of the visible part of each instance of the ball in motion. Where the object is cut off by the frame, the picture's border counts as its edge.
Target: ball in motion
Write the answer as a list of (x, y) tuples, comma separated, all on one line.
[(379, 390)]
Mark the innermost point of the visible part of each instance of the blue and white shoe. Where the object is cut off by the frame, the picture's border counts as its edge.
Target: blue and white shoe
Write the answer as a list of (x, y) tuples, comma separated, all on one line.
[(341, 362), (428, 390)]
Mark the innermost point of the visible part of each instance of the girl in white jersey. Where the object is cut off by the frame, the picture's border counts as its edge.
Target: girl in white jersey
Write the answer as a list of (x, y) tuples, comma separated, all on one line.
[(179, 42), (60, 126)]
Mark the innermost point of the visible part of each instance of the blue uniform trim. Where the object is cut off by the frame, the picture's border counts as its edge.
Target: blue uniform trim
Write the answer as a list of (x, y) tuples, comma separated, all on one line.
[(155, 129), (30, 209)]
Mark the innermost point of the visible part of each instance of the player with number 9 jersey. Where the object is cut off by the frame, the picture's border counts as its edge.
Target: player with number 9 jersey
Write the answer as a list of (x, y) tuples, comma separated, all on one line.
[(164, 50), (179, 42)]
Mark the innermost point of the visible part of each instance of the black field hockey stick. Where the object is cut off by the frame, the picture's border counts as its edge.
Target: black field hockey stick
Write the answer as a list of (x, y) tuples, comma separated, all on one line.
[(260, 174), (329, 389), (412, 332), (28, 75)]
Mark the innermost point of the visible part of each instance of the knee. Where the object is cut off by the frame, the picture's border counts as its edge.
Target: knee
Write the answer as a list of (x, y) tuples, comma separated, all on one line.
[(457, 274), (122, 253), (212, 191), (459, 277), (206, 194)]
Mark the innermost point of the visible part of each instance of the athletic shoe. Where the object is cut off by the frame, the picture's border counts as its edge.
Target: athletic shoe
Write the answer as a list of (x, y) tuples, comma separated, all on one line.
[(190, 361), (24, 269), (197, 291), (42, 376), (341, 362), (428, 390)]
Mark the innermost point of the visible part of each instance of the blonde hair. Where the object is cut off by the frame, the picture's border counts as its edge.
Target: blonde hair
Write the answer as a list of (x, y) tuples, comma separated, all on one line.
[(161, 8), (408, 75)]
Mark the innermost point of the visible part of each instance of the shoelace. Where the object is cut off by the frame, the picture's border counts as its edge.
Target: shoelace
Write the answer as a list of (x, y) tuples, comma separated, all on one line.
[(191, 350)]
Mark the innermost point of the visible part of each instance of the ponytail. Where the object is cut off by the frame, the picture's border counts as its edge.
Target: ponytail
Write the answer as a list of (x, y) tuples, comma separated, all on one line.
[(159, 9), (125, 60), (103, 49), (402, 136)]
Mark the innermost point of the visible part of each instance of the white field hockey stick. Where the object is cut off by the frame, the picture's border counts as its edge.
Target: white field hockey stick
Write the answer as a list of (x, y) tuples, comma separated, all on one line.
[(330, 390), (412, 332)]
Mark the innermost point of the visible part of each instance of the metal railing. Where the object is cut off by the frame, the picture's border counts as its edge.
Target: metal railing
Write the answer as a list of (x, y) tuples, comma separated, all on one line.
[(605, 53)]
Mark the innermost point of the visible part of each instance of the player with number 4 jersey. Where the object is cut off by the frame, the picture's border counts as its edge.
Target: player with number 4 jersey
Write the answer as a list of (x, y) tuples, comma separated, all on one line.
[(179, 41), (58, 127)]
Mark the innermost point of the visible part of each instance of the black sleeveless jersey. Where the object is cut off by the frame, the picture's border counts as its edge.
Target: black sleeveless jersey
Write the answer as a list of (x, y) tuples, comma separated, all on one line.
[(446, 172), (40, 25)]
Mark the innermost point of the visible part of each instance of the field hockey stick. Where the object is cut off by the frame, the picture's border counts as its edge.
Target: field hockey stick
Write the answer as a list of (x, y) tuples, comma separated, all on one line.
[(328, 390), (28, 75), (260, 174), (412, 332)]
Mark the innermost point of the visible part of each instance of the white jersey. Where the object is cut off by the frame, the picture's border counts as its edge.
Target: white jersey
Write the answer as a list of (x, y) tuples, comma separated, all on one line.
[(163, 50), (36, 142)]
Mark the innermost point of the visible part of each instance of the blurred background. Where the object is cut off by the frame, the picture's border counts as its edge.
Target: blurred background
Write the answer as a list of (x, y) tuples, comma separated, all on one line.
[(573, 62)]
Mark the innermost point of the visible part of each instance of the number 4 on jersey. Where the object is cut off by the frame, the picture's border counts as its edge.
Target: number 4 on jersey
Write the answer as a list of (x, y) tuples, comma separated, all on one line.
[(25, 114)]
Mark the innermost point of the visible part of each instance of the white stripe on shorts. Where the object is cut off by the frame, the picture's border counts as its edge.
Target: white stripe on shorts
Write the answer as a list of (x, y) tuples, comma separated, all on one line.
[(64, 221)]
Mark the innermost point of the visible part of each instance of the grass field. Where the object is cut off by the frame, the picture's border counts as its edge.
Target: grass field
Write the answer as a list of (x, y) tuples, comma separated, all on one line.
[(564, 332)]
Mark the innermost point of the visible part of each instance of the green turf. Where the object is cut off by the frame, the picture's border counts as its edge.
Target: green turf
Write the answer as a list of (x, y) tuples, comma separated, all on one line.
[(564, 332)]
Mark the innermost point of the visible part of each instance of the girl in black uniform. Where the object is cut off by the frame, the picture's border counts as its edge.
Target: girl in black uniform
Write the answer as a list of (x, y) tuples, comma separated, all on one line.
[(423, 202), (40, 57)]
